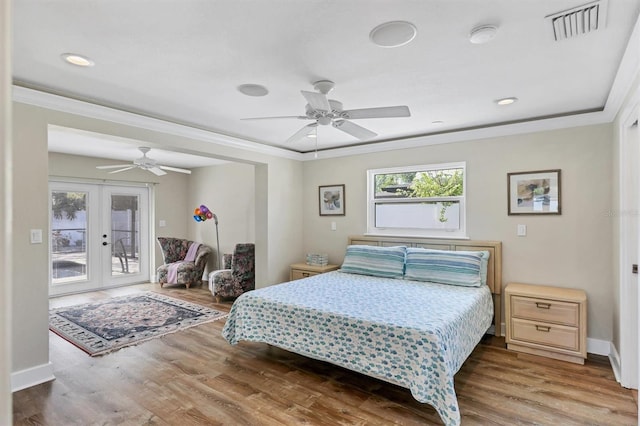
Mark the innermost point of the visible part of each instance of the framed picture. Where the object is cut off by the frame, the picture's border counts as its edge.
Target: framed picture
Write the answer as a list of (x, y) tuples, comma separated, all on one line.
[(331, 200), (534, 192)]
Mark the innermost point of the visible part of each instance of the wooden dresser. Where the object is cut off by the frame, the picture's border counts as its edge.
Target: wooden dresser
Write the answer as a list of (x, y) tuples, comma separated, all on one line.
[(302, 270), (547, 321)]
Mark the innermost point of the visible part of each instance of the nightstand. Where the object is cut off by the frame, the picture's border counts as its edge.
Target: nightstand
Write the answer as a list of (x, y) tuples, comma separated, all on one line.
[(302, 270), (547, 321)]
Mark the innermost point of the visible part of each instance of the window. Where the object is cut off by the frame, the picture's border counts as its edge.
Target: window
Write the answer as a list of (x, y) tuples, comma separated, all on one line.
[(427, 200)]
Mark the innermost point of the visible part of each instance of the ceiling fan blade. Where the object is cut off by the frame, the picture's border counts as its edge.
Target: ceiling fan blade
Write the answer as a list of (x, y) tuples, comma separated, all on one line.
[(113, 166), (122, 170), (381, 112), (300, 117), (302, 133), (354, 130), (317, 101), (175, 169), (157, 171)]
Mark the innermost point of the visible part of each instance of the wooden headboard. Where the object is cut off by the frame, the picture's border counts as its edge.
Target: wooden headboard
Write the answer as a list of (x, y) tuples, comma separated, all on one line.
[(494, 269)]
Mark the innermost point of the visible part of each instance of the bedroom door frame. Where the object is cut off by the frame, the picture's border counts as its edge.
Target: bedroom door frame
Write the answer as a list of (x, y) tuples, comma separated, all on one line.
[(629, 241)]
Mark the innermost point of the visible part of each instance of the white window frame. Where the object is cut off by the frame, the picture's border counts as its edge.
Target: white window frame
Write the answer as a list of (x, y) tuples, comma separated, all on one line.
[(416, 232)]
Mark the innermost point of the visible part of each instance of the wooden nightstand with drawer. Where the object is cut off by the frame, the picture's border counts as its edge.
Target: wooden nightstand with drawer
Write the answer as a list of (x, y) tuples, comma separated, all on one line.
[(547, 321), (302, 270)]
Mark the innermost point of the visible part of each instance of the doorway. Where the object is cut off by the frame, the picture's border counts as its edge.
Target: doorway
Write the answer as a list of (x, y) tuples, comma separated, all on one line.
[(629, 228), (99, 236)]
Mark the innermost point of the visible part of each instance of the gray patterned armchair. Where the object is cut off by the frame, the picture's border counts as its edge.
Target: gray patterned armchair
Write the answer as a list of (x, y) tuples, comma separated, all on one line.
[(175, 269), (239, 277)]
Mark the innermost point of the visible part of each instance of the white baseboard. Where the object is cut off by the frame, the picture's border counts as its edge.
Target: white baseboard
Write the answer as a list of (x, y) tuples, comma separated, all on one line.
[(614, 359), (598, 347), (32, 376)]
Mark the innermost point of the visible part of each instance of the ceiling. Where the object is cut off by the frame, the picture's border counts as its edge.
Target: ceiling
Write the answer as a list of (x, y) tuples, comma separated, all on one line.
[(183, 61)]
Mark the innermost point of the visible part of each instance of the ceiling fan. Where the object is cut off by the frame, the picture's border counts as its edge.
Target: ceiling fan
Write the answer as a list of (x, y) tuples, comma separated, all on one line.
[(324, 111), (144, 163)]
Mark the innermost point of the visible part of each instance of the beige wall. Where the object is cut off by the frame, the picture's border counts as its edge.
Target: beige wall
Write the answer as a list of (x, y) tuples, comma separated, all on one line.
[(569, 250), (278, 222), (30, 267), (227, 190)]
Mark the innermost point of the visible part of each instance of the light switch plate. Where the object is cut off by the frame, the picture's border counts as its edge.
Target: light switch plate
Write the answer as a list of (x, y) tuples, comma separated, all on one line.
[(522, 230), (36, 236), (333, 226)]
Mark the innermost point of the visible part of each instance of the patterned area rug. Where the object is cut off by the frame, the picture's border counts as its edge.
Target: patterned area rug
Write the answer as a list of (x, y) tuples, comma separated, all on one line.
[(105, 326)]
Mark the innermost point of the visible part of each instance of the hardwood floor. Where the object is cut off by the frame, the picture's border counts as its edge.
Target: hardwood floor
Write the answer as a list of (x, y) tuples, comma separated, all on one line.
[(194, 377)]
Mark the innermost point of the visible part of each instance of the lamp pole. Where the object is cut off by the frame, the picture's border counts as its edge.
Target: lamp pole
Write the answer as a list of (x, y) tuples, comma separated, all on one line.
[(215, 219)]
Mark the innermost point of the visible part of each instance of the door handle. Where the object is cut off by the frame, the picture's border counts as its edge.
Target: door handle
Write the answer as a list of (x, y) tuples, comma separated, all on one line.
[(105, 243)]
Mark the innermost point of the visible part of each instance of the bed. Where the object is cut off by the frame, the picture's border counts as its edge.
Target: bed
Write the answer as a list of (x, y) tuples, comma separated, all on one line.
[(367, 318)]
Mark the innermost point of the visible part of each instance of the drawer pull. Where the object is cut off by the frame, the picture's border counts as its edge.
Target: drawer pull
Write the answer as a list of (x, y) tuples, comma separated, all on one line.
[(542, 305), (305, 274), (544, 328)]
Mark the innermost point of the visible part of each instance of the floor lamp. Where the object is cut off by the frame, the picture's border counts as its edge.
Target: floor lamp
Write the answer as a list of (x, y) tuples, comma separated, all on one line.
[(215, 219), (203, 213)]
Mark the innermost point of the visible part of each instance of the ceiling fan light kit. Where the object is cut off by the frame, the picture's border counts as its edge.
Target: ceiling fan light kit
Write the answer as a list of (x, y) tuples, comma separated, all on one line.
[(324, 112), (144, 163)]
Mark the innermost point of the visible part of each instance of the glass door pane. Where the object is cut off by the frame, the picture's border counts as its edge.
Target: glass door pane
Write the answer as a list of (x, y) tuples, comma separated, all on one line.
[(69, 256), (125, 212), (125, 234)]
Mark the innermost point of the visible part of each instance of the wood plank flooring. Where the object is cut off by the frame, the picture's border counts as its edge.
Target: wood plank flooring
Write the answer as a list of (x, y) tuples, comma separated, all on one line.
[(194, 377)]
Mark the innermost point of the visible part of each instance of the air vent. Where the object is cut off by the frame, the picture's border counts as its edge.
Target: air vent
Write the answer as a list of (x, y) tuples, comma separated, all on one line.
[(579, 21)]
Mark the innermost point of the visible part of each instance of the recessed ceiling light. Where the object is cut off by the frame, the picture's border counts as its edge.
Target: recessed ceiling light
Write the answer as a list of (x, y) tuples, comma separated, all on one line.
[(253, 90), (79, 60), (393, 34), (506, 101), (483, 34)]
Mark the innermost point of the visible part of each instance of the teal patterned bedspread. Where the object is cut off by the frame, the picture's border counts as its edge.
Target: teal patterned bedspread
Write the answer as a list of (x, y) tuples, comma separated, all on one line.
[(410, 333)]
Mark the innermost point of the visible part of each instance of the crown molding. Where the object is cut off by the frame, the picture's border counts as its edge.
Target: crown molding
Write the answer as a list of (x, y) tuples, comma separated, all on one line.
[(584, 119), (86, 109), (628, 71)]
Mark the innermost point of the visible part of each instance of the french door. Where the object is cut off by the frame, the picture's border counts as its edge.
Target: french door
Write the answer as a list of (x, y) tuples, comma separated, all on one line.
[(99, 236)]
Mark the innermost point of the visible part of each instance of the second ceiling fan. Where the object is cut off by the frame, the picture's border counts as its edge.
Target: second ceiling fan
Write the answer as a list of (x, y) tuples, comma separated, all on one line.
[(324, 111), (144, 163)]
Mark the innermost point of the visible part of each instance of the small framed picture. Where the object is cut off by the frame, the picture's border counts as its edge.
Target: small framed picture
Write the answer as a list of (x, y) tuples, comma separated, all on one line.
[(534, 192), (331, 200)]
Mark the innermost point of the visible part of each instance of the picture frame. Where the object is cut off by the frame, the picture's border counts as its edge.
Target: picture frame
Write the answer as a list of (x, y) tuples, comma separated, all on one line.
[(331, 200), (534, 193)]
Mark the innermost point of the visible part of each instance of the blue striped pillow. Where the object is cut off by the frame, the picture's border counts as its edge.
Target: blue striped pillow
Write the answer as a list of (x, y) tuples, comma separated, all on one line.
[(387, 262), (462, 268)]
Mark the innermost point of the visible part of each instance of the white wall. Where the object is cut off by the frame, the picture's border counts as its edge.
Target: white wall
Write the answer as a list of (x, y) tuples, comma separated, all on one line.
[(569, 250)]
